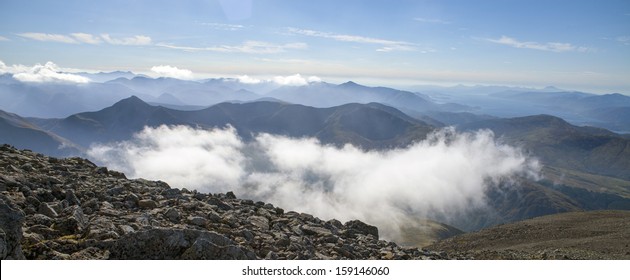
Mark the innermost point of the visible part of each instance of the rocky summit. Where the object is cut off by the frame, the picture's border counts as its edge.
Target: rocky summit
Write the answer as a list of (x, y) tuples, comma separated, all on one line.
[(70, 208)]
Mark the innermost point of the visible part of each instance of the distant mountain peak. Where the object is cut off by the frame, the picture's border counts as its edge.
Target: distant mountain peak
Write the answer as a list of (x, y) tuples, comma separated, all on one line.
[(349, 84), (131, 101)]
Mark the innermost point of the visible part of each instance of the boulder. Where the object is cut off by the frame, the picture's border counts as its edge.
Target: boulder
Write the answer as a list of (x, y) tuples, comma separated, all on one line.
[(11, 219)]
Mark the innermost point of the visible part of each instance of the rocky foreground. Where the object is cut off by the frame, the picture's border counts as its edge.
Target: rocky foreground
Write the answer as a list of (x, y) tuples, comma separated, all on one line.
[(72, 209), (590, 235)]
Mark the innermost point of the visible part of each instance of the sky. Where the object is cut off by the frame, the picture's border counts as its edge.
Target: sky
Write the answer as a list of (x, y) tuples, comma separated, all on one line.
[(580, 45)]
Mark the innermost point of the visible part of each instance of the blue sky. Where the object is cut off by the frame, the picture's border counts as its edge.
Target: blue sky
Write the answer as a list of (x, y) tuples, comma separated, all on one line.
[(582, 45)]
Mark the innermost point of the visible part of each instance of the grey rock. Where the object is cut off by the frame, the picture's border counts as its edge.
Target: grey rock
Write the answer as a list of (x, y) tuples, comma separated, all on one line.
[(259, 222), (197, 221), (11, 219), (46, 209), (315, 230), (147, 204), (73, 222), (358, 227), (171, 193), (173, 215)]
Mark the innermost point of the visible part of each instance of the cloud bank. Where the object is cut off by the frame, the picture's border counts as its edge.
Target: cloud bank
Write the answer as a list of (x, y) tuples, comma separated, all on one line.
[(444, 175), (47, 73), (290, 80), (295, 80), (172, 72)]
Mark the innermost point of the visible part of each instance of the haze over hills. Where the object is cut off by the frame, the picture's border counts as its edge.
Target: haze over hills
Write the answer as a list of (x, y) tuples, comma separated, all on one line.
[(579, 108), (24, 135)]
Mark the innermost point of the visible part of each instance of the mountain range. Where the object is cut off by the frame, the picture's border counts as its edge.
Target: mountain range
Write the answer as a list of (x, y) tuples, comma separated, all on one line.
[(365, 125), (588, 154), (584, 167)]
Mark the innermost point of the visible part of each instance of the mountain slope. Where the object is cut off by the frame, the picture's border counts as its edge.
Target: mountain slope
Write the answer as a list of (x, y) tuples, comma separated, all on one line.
[(328, 95), (561, 144), (362, 125), (25, 135), (576, 235)]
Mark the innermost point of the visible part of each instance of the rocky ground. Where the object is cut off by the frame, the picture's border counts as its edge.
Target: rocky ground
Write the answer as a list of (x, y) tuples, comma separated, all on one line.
[(575, 235), (72, 209)]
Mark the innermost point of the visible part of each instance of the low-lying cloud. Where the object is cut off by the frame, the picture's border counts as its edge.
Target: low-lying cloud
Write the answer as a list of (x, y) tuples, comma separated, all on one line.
[(172, 72), (295, 80), (38, 73), (443, 175)]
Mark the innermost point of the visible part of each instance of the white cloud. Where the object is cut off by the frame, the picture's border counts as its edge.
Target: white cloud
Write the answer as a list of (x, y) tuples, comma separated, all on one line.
[(77, 38), (45, 37), (223, 26), (251, 47), (47, 73), (387, 45), (431, 20), (444, 175), (550, 46), (172, 72), (86, 38), (137, 40), (295, 80), (2, 38), (248, 80)]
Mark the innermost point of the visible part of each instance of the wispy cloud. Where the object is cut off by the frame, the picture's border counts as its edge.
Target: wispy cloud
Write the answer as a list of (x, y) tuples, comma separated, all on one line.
[(386, 45), (137, 40), (624, 40), (222, 26), (431, 20), (251, 47), (45, 37), (2, 38), (85, 38), (549, 46)]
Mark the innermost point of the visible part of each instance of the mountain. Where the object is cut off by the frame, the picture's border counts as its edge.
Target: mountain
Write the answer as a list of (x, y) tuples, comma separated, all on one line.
[(368, 126), (182, 92), (26, 135), (558, 143), (102, 77), (606, 110), (326, 95), (51, 100), (576, 235), (578, 108), (55, 100)]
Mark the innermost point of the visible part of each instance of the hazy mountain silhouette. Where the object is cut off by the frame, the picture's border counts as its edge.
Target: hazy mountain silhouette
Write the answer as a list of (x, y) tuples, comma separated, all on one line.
[(561, 144), (368, 126), (25, 135), (327, 95)]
